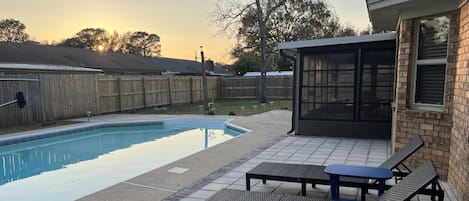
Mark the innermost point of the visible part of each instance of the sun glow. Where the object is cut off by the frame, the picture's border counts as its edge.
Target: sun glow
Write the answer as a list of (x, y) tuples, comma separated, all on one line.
[(100, 48)]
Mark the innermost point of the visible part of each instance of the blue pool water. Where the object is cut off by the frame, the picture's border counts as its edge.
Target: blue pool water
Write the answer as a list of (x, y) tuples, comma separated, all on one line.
[(117, 151)]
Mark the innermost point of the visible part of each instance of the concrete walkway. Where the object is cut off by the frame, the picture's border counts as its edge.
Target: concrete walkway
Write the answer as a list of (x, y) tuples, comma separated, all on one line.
[(159, 183)]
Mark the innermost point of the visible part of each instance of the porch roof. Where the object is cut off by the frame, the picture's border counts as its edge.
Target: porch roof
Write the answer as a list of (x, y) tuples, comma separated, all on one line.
[(385, 14), (337, 41)]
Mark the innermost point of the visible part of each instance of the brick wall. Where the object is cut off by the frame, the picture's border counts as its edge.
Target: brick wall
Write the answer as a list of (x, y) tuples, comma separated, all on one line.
[(434, 127), (458, 175)]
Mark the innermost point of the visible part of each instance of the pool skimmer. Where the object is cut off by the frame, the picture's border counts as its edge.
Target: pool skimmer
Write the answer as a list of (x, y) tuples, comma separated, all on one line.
[(178, 170)]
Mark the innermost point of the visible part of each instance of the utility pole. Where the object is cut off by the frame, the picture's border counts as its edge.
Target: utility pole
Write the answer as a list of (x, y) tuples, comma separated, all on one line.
[(204, 82)]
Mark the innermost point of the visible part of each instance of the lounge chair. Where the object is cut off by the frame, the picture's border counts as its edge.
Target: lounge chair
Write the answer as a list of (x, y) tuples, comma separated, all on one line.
[(415, 182), (314, 174)]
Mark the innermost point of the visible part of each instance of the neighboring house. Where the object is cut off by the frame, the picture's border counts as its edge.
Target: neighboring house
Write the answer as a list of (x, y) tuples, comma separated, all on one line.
[(173, 66), (429, 79), (24, 55), (269, 74)]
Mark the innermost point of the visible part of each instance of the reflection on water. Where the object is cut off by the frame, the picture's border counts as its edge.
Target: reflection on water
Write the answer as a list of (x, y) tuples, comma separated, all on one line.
[(23, 160)]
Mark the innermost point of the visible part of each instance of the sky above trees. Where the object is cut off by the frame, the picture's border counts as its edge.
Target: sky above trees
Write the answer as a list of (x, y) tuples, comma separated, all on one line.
[(183, 25)]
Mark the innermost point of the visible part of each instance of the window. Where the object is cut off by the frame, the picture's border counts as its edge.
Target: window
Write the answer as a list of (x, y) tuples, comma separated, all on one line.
[(377, 76), (429, 74), (328, 83)]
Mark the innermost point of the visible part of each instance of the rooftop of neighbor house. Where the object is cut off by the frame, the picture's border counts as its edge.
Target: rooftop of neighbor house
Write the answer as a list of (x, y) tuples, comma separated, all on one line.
[(23, 53), (33, 57), (187, 67), (337, 41)]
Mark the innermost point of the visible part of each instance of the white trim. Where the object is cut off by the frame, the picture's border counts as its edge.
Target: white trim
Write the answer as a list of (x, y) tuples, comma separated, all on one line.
[(42, 67), (431, 61), (379, 4), (337, 41), (426, 106), (428, 10)]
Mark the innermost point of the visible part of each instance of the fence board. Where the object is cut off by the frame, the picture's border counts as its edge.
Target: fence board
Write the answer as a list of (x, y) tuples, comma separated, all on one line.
[(68, 95), (30, 85), (61, 96), (248, 88)]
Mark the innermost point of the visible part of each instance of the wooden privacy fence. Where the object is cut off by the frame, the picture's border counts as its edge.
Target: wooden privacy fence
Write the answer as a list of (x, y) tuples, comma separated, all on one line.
[(119, 93), (62, 96), (32, 89), (248, 87)]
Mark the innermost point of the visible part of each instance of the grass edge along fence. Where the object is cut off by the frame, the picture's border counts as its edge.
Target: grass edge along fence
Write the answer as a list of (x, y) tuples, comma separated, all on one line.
[(63, 96)]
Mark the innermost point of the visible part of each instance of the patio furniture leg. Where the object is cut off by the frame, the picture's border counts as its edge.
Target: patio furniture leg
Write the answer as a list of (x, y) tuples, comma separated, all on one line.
[(264, 181), (381, 186), (334, 187), (248, 183), (433, 194), (303, 188), (363, 193)]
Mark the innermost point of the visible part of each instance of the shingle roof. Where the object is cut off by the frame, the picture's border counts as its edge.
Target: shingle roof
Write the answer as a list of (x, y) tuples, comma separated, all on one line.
[(54, 55), (176, 65), (184, 67)]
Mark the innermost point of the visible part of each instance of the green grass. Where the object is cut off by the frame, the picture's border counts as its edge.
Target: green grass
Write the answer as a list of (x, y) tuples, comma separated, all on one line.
[(222, 107), (29, 127)]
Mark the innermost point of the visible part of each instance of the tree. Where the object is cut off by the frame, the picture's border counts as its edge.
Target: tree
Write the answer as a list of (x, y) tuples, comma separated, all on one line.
[(144, 44), (261, 24), (13, 31), (246, 63), (88, 38), (347, 31), (139, 43)]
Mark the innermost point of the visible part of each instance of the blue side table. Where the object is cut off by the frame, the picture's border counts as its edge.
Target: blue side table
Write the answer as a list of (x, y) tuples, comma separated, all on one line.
[(335, 171)]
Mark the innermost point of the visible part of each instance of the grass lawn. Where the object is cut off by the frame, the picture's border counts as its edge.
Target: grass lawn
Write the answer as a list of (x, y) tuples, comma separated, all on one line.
[(222, 107), (29, 127)]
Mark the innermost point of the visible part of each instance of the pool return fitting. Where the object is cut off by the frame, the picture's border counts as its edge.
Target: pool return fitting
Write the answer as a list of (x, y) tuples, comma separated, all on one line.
[(19, 100)]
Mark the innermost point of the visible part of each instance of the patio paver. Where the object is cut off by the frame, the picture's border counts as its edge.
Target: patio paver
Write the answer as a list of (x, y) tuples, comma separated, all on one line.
[(316, 151)]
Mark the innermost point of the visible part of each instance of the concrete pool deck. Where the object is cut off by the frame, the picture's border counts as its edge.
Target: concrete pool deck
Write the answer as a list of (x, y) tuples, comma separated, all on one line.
[(224, 165), (159, 183)]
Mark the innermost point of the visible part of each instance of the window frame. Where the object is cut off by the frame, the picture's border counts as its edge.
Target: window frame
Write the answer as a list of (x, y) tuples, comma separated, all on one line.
[(417, 62)]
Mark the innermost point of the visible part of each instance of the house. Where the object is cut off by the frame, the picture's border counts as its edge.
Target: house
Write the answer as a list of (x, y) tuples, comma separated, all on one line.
[(423, 90), (173, 66), (23, 55)]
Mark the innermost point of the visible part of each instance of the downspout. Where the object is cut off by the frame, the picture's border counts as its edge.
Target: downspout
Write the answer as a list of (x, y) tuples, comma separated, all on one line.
[(293, 59)]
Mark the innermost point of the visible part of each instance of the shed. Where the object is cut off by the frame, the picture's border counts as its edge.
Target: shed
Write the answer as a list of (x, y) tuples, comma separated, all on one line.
[(343, 86)]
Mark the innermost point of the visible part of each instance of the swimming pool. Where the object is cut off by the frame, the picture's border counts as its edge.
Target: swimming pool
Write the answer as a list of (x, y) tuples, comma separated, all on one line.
[(77, 161)]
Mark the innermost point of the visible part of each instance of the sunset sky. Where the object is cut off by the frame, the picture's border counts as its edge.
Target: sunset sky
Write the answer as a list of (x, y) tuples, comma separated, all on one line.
[(183, 25)]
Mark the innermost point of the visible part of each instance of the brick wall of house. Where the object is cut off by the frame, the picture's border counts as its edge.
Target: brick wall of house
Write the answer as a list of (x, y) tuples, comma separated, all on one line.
[(434, 127), (458, 175)]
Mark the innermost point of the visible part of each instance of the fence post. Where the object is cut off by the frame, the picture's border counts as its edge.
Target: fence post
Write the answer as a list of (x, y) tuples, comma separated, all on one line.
[(258, 90), (119, 92), (97, 96), (286, 85), (191, 89), (145, 104), (42, 95), (169, 91)]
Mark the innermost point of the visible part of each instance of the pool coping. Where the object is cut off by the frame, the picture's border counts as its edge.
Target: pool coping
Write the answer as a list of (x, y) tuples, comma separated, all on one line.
[(53, 132)]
